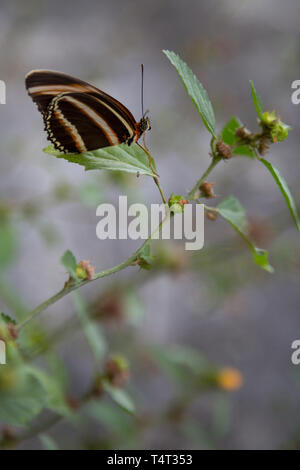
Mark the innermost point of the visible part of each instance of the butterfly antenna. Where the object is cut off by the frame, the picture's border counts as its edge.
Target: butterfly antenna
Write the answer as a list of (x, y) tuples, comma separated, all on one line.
[(142, 89)]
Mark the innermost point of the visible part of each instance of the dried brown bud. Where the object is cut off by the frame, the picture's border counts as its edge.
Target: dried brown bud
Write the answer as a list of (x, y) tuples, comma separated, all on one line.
[(97, 390), (211, 215), (244, 134), (182, 202), (73, 403), (223, 149), (12, 330), (117, 371), (111, 306), (264, 145), (206, 189), (8, 438)]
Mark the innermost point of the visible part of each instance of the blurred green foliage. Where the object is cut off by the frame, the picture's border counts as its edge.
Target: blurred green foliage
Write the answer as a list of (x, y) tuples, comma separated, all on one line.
[(114, 408)]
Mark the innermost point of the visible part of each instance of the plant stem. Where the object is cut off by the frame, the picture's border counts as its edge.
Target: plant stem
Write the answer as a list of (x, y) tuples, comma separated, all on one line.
[(156, 180), (72, 324), (214, 162), (70, 288), (156, 177)]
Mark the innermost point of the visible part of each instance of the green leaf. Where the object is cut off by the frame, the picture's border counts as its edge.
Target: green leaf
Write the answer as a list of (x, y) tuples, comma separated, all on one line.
[(53, 392), (260, 257), (187, 357), (120, 397), (8, 245), (198, 433), (146, 259), (112, 417), (228, 136), (131, 159), (21, 403), (68, 260), (90, 194), (133, 306), (228, 131), (58, 371), (233, 212), (183, 364), (221, 416), (256, 100), (195, 90), (12, 298), (91, 330), (7, 318), (48, 442), (244, 151), (285, 191)]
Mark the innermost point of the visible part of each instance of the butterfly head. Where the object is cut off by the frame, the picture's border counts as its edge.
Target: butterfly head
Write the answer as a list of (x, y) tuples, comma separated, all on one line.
[(145, 124), (141, 127)]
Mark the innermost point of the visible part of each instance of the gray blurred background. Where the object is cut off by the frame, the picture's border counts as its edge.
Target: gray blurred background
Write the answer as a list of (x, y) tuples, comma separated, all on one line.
[(231, 312)]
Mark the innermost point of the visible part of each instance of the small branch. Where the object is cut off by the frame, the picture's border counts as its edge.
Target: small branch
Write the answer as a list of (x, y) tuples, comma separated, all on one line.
[(156, 180), (214, 162), (72, 324), (70, 288), (156, 177)]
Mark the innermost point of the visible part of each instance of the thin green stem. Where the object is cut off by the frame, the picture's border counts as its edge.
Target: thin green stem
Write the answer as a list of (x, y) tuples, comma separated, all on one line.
[(156, 180), (156, 177), (70, 288), (212, 165), (71, 325)]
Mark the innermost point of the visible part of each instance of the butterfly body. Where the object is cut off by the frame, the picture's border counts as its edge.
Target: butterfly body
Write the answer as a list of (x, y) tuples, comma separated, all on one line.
[(79, 117)]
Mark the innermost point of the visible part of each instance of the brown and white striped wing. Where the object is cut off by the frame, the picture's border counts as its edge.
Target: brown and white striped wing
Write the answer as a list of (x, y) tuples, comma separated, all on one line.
[(44, 85), (80, 122)]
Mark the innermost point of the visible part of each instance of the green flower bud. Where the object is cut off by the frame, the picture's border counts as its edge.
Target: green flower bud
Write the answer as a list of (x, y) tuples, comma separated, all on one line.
[(117, 370), (278, 129), (80, 272), (176, 203), (268, 118), (121, 361), (85, 270), (176, 208)]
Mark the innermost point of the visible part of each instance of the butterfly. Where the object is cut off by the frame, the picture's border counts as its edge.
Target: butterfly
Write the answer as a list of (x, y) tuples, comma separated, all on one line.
[(79, 117)]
